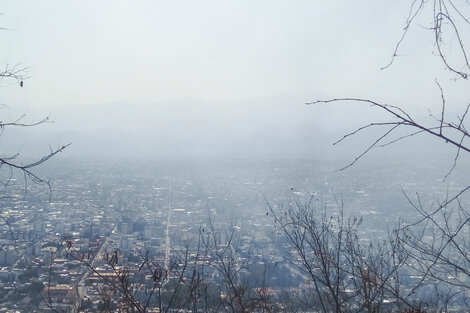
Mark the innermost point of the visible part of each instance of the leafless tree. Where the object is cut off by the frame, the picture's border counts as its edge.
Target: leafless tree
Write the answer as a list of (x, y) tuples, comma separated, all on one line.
[(438, 249), (149, 284), (435, 246), (206, 273), (348, 275), (238, 293), (448, 20), (11, 164)]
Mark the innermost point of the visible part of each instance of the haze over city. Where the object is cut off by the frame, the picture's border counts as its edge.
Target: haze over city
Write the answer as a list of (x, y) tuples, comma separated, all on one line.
[(234, 156)]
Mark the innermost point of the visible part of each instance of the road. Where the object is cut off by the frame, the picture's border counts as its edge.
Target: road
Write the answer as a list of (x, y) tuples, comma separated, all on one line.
[(81, 284), (167, 231)]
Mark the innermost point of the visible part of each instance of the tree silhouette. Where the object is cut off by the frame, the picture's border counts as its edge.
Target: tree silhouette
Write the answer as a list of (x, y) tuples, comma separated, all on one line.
[(436, 245)]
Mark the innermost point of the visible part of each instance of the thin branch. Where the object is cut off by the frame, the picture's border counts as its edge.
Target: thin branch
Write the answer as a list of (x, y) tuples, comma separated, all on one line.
[(374, 144), (411, 16)]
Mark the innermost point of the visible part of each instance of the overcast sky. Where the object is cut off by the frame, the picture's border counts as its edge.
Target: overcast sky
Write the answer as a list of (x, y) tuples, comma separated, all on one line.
[(100, 65)]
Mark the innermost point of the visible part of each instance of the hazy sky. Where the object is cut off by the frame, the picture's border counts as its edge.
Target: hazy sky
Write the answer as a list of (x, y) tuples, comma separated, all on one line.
[(148, 64)]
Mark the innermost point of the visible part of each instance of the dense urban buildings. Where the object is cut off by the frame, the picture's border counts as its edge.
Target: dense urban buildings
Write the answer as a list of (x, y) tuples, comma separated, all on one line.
[(103, 217)]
